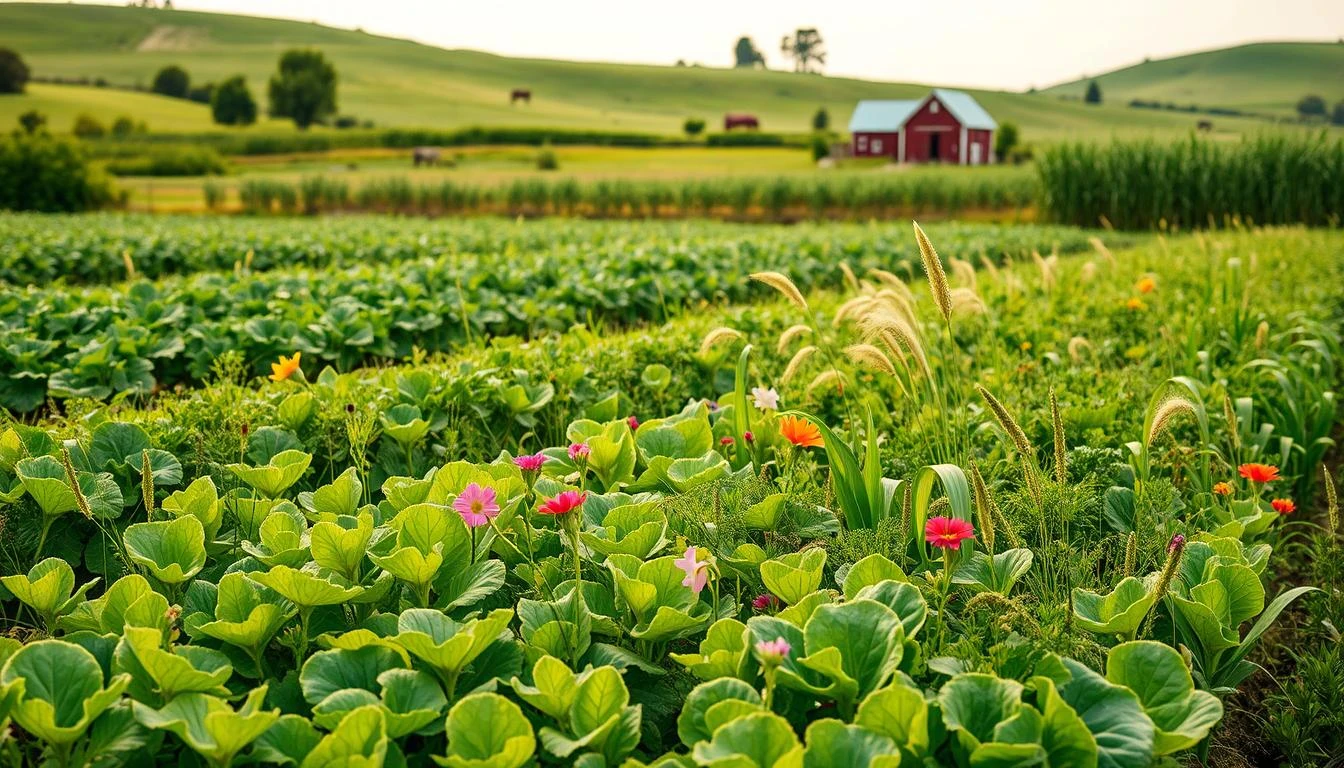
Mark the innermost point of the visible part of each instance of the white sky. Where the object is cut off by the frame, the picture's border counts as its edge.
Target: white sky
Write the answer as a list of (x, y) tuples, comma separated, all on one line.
[(1010, 44)]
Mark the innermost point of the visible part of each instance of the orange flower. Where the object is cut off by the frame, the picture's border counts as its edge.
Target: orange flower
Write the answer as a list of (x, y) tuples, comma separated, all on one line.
[(1283, 506), (801, 432), (1146, 285), (1134, 303), (1259, 473), (285, 368), (1222, 489)]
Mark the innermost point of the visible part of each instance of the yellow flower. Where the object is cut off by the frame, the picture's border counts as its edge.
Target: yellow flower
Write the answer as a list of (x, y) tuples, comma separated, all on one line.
[(1134, 303), (1146, 285), (1025, 346), (285, 368)]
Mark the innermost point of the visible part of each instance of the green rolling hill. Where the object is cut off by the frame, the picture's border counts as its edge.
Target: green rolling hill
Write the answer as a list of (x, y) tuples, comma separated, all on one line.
[(1259, 77), (401, 83)]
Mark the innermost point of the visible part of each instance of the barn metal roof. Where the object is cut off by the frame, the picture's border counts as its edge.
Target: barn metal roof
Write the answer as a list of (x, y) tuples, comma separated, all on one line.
[(882, 115), (874, 115), (966, 109)]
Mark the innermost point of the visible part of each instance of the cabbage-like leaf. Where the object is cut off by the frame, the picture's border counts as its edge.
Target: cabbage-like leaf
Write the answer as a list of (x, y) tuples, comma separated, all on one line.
[(832, 744), (721, 651), (795, 575), (486, 730), (1157, 674), (340, 544), (244, 617), (763, 740), (359, 741), (446, 646), (58, 689), (1113, 714), (900, 713), (287, 742), (200, 499), (273, 478), (871, 570), (172, 550), (159, 675), (691, 726), (857, 646), (210, 726), (340, 497), (1119, 613), (48, 588), (304, 588), (993, 573), (974, 704)]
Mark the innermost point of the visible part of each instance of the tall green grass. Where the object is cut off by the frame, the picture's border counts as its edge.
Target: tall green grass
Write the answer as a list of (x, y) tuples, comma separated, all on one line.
[(1196, 183)]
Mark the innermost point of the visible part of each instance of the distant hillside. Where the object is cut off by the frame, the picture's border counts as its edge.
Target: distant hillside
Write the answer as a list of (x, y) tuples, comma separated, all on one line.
[(1260, 77), (401, 83)]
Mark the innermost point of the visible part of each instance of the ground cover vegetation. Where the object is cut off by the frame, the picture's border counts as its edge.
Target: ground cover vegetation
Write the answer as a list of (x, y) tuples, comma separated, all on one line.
[(1000, 508)]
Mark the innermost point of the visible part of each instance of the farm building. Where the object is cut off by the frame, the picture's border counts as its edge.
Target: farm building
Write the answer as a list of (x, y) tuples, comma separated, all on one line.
[(934, 129)]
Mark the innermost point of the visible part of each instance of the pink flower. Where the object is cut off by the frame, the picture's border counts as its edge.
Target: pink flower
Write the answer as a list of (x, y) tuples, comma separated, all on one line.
[(765, 602), (726, 440), (633, 422), (1177, 543), (579, 451), (697, 572), (564, 503), (531, 462), (947, 532), (477, 505), (773, 651), (765, 399), (749, 437)]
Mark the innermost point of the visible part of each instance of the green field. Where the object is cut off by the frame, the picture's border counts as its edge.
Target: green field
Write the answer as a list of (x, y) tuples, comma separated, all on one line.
[(400, 83), (1260, 77)]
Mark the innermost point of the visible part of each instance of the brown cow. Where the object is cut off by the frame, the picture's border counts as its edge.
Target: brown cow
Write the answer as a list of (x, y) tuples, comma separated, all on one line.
[(731, 121), (426, 155), (520, 94)]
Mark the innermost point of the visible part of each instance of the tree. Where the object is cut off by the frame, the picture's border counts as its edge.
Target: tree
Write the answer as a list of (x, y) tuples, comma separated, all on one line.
[(88, 127), (32, 121), (1093, 93), (1337, 117), (13, 72), (693, 126), (232, 103), (746, 55), (1005, 141), (1311, 105), (821, 120), (202, 94), (804, 48), (304, 88), (123, 126), (173, 81)]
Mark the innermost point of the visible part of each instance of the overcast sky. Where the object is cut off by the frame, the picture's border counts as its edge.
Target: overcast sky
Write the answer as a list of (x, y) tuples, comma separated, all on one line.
[(987, 43)]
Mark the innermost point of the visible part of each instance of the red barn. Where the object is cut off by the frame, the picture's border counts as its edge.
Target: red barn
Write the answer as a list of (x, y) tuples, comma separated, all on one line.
[(944, 127)]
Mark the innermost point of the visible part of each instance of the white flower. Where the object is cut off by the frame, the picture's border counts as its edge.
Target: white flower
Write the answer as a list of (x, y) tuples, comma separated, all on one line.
[(765, 399)]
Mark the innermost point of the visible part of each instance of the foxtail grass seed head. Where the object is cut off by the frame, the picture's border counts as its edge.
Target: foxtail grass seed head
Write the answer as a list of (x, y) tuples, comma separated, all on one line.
[(990, 267), (1006, 421), (1131, 554), (797, 362), (984, 516), (1262, 334), (1174, 549), (1061, 449), (1331, 504), (129, 263), (1087, 273), (72, 479), (781, 282), (963, 270), (850, 279), (869, 356), (966, 302), (1076, 347), (933, 268), (826, 379), (718, 336), (791, 334), (1230, 416), (1167, 412), (147, 483), (905, 517)]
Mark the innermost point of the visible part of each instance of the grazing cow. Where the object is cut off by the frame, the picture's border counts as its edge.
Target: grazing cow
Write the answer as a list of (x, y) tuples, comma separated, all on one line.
[(731, 121), (425, 155), (520, 94), (1205, 126)]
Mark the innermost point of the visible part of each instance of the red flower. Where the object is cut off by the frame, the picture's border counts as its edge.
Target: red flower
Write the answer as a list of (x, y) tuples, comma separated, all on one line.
[(947, 532), (1259, 473), (726, 440), (765, 602), (633, 422), (801, 432), (1283, 506), (563, 504)]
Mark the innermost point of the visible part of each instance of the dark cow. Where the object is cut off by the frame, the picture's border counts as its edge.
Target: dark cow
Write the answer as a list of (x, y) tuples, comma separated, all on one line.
[(1205, 126), (425, 156), (748, 122), (520, 94)]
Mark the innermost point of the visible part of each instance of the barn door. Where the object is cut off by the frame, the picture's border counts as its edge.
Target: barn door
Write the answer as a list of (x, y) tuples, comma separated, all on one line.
[(975, 153), (935, 142)]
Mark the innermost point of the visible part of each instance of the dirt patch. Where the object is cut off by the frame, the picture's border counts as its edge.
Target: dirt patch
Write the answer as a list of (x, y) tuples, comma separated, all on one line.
[(166, 37)]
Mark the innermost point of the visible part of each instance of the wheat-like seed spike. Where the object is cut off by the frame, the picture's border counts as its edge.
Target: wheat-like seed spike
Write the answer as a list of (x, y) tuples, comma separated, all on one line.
[(989, 265), (72, 480), (790, 334), (963, 270), (1006, 421), (128, 263), (1331, 505), (796, 362), (147, 484), (1131, 554), (1061, 450), (1076, 346), (983, 516), (965, 301), (824, 379), (933, 268), (717, 336), (1165, 414), (850, 279), (870, 356), (780, 282), (886, 278), (850, 308), (1230, 416), (1262, 334)]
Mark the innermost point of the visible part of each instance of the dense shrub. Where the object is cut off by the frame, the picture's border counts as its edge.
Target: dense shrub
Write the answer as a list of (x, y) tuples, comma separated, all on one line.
[(32, 121), (172, 81), (45, 173), (232, 103), (13, 72), (202, 94), (170, 161), (745, 139), (693, 126), (87, 127), (546, 159)]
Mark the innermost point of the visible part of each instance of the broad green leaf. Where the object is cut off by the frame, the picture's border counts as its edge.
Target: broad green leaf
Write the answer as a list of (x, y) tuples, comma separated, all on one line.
[(832, 744), (1113, 714), (691, 725), (159, 675), (326, 672), (48, 588), (869, 571), (1119, 613), (486, 730), (993, 573), (273, 478), (340, 497), (975, 703), (360, 741), (763, 740), (444, 645), (867, 637), (303, 588), (173, 550), (901, 713), (59, 689), (795, 575), (341, 544), (1157, 674), (721, 651), (200, 499), (210, 726), (287, 742)]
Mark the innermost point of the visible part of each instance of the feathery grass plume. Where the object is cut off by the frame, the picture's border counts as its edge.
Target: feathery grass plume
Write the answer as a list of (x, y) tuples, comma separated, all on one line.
[(1088, 273), (1061, 450), (1046, 269), (1331, 505), (128, 263), (1262, 334), (850, 279), (851, 308), (869, 356), (1105, 223), (1101, 249), (72, 480), (965, 301), (796, 362), (983, 517), (886, 278), (1006, 421), (790, 334), (905, 521), (825, 379), (989, 265), (1233, 424), (1131, 554), (717, 336), (963, 270), (889, 325), (1076, 346), (1166, 413), (933, 268), (780, 282), (1174, 551), (147, 484), (901, 303)]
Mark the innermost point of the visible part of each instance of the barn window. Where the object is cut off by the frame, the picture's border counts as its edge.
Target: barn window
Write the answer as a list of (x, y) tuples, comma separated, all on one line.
[(877, 145), (863, 143), (933, 107)]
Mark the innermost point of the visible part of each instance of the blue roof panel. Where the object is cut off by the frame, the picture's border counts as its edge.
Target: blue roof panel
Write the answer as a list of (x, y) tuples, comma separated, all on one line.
[(886, 116), (966, 109)]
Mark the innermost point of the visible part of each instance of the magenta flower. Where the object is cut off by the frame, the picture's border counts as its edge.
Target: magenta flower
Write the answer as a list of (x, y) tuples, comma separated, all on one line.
[(749, 437), (773, 651), (947, 532), (477, 505), (697, 572), (1177, 543), (579, 451), (531, 462), (633, 422), (563, 503), (765, 602)]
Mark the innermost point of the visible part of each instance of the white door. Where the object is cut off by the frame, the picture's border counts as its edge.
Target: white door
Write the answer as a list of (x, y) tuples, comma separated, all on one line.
[(975, 153)]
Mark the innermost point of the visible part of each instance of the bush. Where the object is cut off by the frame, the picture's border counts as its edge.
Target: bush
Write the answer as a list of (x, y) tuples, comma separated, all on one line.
[(745, 139), (173, 81), (1337, 117), (87, 127), (45, 173), (546, 159), (1005, 141), (345, 122), (170, 161), (1093, 93), (13, 72), (821, 120), (214, 195), (693, 126), (232, 103), (820, 147), (32, 121), (124, 126)]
